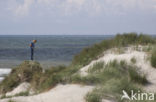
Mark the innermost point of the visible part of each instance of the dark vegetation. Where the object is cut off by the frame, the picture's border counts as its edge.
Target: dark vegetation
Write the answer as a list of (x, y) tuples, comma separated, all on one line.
[(23, 72), (49, 78), (19, 94), (11, 101), (133, 60), (153, 58)]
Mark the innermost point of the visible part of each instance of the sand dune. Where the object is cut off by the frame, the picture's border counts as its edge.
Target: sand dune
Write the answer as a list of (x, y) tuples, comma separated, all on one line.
[(76, 93), (61, 93), (141, 61)]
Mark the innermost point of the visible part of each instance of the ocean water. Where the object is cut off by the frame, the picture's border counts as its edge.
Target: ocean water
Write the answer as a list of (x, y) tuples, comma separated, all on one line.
[(50, 50)]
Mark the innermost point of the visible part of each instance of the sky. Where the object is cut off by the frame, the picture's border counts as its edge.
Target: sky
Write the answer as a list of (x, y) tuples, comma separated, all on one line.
[(77, 17)]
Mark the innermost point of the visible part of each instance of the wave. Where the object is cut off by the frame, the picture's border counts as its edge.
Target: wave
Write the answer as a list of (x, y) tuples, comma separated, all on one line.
[(4, 72)]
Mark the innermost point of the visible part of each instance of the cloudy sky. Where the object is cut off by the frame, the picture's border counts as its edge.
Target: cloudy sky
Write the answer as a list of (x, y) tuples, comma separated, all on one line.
[(77, 16)]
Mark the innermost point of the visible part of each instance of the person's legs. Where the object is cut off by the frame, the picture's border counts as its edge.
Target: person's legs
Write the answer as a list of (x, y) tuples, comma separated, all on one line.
[(32, 54)]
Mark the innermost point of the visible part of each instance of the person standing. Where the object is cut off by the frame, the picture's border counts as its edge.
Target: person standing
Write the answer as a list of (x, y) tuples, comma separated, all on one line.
[(32, 46)]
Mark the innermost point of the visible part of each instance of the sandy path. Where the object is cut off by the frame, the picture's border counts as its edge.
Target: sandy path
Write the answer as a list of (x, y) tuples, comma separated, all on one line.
[(61, 93), (21, 88)]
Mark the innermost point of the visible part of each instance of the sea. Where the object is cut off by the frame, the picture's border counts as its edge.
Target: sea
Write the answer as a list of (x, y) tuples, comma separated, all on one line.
[(50, 50)]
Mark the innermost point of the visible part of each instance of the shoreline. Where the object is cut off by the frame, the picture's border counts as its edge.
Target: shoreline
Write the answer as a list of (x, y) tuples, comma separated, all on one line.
[(4, 72)]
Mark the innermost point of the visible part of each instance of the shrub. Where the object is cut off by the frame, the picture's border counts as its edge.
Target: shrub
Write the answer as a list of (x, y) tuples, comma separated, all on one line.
[(32, 72), (153, 59), (48, 79), (23, 72), (137, 77), (93, 96), (133, 60)]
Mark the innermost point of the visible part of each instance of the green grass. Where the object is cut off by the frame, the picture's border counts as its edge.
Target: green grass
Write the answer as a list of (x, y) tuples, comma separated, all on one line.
[(97, 67), (22, 73), (48, 79), (32, 72), (23, 94), (148, 48), (53, 76), (114, 78), (153, 58), (19, 94), (94, 96), (90, 53), (11, 101), (137, 77), (87, 80)]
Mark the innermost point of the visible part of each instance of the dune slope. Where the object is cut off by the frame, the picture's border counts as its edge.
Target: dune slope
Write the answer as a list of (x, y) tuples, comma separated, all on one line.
[(142, 63), (61, 93)]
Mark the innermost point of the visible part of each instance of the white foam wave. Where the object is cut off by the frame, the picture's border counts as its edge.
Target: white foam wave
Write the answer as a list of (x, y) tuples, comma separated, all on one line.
[(4, 71)]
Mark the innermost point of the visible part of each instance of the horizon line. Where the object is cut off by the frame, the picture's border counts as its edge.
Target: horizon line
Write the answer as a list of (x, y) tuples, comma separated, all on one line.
[(71, 34)]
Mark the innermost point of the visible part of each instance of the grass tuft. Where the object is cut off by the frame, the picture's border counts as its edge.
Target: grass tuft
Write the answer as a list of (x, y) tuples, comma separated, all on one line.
[(153, 58), (114, 78), (97, 67), (11, 101), (133, 60), (93, 96), (136, 76), (120, 40)]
